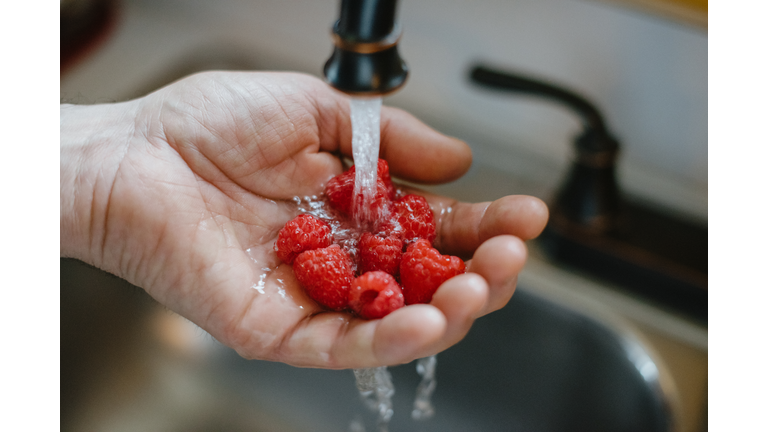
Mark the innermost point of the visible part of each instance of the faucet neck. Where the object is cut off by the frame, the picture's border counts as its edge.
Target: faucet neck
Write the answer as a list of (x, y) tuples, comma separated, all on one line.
[(366, 20), (365, 59)]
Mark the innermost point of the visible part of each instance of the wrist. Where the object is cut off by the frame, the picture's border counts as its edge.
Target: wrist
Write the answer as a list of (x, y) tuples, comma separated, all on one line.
[(93, 142)]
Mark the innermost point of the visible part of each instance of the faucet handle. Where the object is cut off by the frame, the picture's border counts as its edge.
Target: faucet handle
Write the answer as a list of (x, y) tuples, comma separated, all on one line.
[(589, 199)]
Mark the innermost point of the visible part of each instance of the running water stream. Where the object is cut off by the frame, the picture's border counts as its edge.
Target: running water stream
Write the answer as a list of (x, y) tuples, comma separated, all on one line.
[(375, 384), (365, 114)]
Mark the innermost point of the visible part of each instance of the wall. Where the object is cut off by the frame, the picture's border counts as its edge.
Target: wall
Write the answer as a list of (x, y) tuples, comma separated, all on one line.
[(649, 75)]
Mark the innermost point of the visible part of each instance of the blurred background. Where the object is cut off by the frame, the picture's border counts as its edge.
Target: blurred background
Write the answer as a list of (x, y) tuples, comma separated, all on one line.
[(642, 62), (648, 73)]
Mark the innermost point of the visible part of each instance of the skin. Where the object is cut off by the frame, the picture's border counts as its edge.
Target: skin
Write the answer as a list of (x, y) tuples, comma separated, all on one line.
[(182, 191)]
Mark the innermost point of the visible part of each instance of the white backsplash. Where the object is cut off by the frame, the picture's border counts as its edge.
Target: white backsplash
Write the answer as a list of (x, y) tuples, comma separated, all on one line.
[(648, 75)]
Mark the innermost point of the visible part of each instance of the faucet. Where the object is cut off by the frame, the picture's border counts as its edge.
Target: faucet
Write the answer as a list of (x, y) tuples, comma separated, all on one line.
[(365, 60), (594, 227), (590, 196)]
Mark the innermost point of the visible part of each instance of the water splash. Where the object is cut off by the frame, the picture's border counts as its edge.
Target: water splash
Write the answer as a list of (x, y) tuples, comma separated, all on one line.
[(357, 425), (376, 388), (365, 114), (422, 405), (345, 233), (259, 286), (266, 261), (375, 384)]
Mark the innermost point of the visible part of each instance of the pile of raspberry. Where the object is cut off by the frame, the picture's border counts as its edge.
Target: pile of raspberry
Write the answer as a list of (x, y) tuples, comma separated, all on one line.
[(394, 262)]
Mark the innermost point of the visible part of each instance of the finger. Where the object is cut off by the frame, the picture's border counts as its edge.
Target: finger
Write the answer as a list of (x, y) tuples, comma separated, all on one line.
[(461, 299), (337, 341), (499, 260), (418, 153), (518, 215), (462, 227), (405, 334), (329, 340)]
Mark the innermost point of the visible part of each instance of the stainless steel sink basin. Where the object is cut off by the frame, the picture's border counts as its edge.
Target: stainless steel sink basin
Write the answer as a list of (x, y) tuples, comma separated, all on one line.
[(129, 365)]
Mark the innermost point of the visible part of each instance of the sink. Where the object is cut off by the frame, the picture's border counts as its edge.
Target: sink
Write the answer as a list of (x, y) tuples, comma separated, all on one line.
[(128, 364)]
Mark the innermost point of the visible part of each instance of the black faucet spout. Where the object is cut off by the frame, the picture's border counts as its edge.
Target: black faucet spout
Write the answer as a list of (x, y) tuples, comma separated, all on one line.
[(365, 59)]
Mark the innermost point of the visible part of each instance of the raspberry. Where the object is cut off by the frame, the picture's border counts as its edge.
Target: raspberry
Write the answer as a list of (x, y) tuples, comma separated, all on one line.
[(423, 269), (380, 253), (375, 247), (340, 189), (382, 172), (326, 275), (411, 220), (375, 294), (305, 232)]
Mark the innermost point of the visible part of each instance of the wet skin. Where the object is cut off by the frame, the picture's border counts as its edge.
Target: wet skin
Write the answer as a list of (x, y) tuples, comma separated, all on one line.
[(169, 191)]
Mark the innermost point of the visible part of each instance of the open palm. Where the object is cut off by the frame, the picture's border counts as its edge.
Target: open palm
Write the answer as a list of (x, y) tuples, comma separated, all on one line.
[(189, 204)]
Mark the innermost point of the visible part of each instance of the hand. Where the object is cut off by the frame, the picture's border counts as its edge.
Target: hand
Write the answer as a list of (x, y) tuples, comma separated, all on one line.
[(183, 192)]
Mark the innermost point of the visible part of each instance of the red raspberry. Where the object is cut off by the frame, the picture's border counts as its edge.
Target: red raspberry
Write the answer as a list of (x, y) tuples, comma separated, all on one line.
[(339, 190), (382, 172), (375, 294), (305, 232), (326, 275), (423, 269), (411, 220), (380, 253)]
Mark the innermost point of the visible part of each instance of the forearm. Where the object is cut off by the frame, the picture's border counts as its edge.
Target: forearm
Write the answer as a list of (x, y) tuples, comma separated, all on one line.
[(93, 142)]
